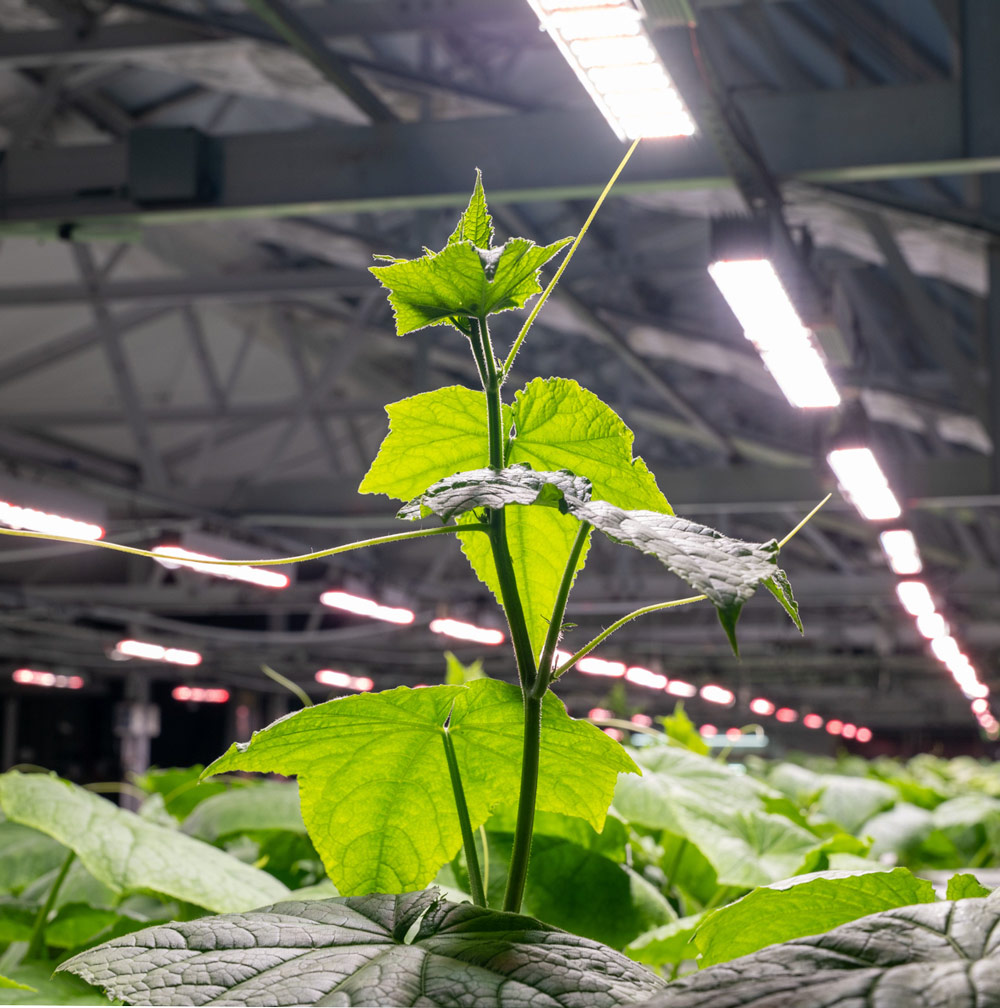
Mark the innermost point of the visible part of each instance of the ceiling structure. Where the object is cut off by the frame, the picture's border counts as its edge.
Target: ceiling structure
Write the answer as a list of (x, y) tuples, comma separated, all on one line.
[(190, 194)]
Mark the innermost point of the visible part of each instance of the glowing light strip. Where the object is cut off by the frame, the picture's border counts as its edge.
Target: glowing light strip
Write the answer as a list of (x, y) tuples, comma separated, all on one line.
[(365, 607), (330, 677), (177, 556), (864, 483), (199, 694), (32, 520), (466, 631), (32, 677), (155, 652)]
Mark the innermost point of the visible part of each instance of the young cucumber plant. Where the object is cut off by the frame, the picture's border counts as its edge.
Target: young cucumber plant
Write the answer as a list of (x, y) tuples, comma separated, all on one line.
[(394, 784)]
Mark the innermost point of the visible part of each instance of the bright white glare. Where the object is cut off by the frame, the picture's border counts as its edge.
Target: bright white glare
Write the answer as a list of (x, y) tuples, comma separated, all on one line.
[(864, 483), (679, 688), (32, 520), (757, 298), (978, 690), (761, 706), (980, 706), (644, 677), (560, 657), (155, 652), (598, 666), (610, 53), (915, 598), (901, 550), (365, 607), (177, 556), (198, 694), (466, 631), (932, 625), (328, 677), (32, 677), (945, 649), (716, 694)]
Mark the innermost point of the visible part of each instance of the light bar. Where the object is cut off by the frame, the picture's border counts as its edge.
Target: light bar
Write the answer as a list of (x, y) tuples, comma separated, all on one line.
[(365, 607), (598, 666), (155, 652), (679, 688), (176, 556), (341, 680), (32, 677), (466, 631), (644, 677), (932, 625), (761, 706), (864, 483), (786, 715), (915, 598), (812, 721), (607, 46), (945, 649), (716, 694), (757, 298), (198, 694), (32, 520), (901, 551)]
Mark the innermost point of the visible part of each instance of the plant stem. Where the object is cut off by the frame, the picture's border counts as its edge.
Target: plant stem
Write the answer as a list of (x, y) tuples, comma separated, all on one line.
[(517, 873), (292, 687), (36, 943), (559, 610), (468, 840), (675, 864)]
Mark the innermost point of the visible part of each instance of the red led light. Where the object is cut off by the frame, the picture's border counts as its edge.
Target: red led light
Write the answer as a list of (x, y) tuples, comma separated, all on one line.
[(812, 721), (198, 694), (849, 730), (864, 735), (733, 734), (708, 730), (762, 706), (329, 677), (786, 715), (32, 677), (835, 727)]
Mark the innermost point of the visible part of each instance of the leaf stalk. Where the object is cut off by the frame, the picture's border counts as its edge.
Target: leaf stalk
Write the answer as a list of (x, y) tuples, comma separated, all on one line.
[(476, 890)]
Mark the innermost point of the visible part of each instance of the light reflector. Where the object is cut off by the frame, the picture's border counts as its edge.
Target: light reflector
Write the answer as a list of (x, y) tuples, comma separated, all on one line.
[(365, 607), (155, 652), (915, 598), (341, 680), (862, 480), (176, 556), (34, 677), (901, 551), (466, 631), (760, 302)]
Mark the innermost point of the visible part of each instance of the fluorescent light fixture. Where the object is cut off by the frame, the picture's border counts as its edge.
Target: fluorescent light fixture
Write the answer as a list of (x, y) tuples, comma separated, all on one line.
[(33, 520), (176, 556), (945, 649), (598, 666), (199, 694), (864, 483), (932, 625), (761, 706), (786, 715), (607, 46), (155, 652), (915, 598), (757, 298), (716, 694), (365, 607), (901, 551), (812, 721), (341, 680), (466, 631), (679, 688), (835, 727), (864, 735), (33, 677), (644, 677)]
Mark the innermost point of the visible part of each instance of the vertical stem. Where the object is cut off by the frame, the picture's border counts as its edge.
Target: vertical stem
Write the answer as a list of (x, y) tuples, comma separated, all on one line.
[(517, 873), (468, 840), (36, 943)]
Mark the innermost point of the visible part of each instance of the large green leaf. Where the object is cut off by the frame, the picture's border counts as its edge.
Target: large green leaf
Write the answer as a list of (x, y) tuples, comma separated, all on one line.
[(25, 854), (851, 801), (269, 805), (667, 944), (127, 853), (414, 949), (803, 906), (898, 831), (965, 886), (181, 787), (373, 778), (933, 955), (37, 986), (463, 280)]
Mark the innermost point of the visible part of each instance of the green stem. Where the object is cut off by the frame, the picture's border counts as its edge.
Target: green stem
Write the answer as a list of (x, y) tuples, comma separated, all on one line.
[(559, 610), (517, 873), (468, 840), (292, 687), (675, 864), (36, 943)]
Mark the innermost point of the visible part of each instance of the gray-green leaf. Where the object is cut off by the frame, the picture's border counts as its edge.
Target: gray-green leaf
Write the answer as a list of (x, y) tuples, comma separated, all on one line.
[(414, 949), (269, 805)]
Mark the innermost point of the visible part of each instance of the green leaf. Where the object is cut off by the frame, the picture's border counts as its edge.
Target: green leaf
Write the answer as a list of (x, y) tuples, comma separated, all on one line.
[(25, 854), (666, 945), (37, 986), (852, 801), (14, 985), (79, 886), (17, 919), (374, 784), (126, 853), (475, 224), (464, 281), (414, 949), (457, 673), (77, 925), (181, 787), (780, 587), (900, 830), (269, 805), (560, 425), (935, 955), (681, 729), (965, 886), (809, 904)]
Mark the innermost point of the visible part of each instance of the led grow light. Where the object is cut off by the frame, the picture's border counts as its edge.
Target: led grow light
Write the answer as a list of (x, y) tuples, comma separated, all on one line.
[(598, 666), (864, 735), (199, 694), (849, 730), (466, 631), (812, 721), (761, 706), (786, 715), (365, 607), (757, 298), (708, 730), (605, 43), (864, 483), (644, 677), (716, 694), (177, 556), (642, 720), (33, 677), (945, 649), (980, 706), (329, 677), (901, 551), (915, 597), (931, 625), (835, 727), (155, 652), (679, 688), (600, 714), (33, 520)]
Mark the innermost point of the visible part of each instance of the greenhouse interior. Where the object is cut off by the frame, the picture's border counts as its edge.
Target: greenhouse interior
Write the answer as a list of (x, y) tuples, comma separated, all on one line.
[(673, 327)]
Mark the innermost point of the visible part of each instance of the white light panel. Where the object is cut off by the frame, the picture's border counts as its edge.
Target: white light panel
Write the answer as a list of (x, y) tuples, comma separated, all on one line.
[(915, 598), (199, 694), (177, 556), (155, 652), (901, 551), (33, 520), (591, 665), (863, 481), (466, 631), (341, 680), (365, 607), (645, 677), (716, 694)]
